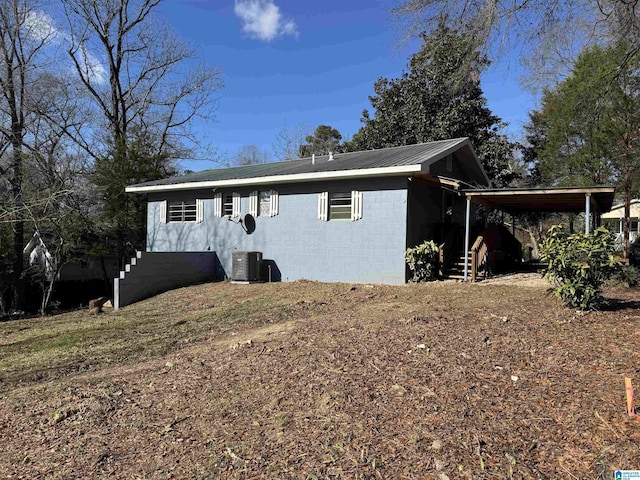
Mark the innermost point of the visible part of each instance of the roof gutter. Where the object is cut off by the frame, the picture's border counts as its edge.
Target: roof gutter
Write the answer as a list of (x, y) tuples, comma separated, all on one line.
[(279, 179)]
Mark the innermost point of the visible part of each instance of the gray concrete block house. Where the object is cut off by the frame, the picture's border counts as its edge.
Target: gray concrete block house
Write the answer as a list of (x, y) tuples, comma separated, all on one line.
[(345, 217)]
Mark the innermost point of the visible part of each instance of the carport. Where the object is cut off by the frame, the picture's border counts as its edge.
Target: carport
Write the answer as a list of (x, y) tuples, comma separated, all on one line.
[(532, 200)]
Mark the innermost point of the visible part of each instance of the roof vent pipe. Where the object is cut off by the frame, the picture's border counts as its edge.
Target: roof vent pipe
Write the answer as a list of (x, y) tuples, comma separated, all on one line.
[(330, 156), (313, 159)]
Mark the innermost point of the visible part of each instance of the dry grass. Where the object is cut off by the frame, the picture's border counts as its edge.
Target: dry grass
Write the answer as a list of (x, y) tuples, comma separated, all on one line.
[(311, 380)]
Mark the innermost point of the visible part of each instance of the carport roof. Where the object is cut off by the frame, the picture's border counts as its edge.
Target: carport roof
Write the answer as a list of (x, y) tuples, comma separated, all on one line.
[(548, 199)]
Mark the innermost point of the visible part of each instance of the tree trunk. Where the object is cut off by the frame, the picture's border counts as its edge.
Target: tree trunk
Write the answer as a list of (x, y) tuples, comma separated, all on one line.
[(47, 290), (535, 246), (18, 291)]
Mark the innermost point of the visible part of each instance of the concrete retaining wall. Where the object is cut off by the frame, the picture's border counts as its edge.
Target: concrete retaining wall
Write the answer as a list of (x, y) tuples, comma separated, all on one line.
[(150, 273)]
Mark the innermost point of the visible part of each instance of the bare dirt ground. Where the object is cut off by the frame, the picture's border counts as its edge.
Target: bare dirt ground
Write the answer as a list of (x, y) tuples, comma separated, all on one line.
[(310, 380)]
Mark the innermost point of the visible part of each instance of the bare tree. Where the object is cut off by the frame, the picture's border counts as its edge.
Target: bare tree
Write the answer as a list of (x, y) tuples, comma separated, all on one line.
[(286, 145), (56, 196), (141, 86), (250, 155), (59, 210), (23, 40)]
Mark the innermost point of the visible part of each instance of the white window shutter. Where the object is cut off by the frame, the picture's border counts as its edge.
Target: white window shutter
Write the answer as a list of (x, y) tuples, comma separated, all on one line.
[(217, 205), (356, 205), (323, 206), (236, 204), (253, 203), (274, 203), (199, 210), (163, 211)]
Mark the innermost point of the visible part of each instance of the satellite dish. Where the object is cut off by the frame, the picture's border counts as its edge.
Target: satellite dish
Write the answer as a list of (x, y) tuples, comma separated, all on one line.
[(249, 223)]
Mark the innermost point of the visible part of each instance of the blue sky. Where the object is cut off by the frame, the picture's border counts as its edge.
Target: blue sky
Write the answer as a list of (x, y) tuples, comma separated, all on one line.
[(287, 62)]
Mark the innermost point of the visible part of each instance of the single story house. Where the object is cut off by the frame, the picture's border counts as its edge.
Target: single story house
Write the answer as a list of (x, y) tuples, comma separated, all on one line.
[(345, 217), (613, 221)]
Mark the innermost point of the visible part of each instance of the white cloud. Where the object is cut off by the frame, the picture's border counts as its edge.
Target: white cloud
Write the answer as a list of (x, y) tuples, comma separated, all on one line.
[(262, 19), (93, 68), (40, 27)]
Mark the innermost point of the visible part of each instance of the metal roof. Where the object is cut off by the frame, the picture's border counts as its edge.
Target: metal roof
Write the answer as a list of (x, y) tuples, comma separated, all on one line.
[(381, 162), (546, 199)]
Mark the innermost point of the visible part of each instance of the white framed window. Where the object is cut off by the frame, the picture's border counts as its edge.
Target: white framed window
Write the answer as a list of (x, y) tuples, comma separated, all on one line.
[(340, 206), (264, 203), (184, 211), (226, 204)]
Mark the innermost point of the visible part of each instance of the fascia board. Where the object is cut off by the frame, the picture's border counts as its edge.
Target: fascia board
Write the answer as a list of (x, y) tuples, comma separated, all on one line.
[(279, 179)]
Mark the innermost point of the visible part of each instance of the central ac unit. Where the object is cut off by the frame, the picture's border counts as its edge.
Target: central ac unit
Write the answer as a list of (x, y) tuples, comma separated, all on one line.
[(245, 266)]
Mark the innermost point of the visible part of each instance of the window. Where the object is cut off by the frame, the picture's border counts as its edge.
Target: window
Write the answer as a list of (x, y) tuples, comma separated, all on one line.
[(634, 226), (340, 206), (227, 204), (264, 203), (182, 211)]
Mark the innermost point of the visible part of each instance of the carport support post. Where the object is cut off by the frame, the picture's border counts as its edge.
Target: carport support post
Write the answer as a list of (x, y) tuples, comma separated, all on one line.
[(587, 213), (466, 240)]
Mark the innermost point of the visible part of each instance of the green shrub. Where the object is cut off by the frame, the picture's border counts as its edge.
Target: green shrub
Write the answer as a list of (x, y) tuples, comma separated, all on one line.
[(578, 265), (627, 275), (423, 261)]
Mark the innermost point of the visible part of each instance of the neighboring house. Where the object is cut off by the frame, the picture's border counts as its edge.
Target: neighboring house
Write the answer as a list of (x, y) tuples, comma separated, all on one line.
[(38, 255), (79, 268), (341, 217), (613, 220)]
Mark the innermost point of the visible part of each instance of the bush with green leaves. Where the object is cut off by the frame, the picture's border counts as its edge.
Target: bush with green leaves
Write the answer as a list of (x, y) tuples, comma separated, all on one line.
[(578, 265), (423, 261), (628, 275)]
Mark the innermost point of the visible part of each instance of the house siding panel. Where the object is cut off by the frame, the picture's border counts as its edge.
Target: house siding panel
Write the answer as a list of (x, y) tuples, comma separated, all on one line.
[(301, 245)]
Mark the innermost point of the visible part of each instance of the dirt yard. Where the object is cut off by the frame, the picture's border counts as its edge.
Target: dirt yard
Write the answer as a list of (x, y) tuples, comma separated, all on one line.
[(315, 381)]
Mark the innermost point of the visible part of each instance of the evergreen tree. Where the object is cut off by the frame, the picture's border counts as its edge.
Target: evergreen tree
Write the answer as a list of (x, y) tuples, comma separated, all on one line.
[(587, 130), (433, 101), (124, 215), (325, 139)]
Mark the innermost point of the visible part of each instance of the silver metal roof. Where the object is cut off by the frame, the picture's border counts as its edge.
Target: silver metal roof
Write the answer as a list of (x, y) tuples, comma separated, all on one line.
[(409, 155)]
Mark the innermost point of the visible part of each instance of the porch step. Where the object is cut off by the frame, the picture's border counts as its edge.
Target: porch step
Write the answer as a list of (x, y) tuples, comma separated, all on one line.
[(455, 270)]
